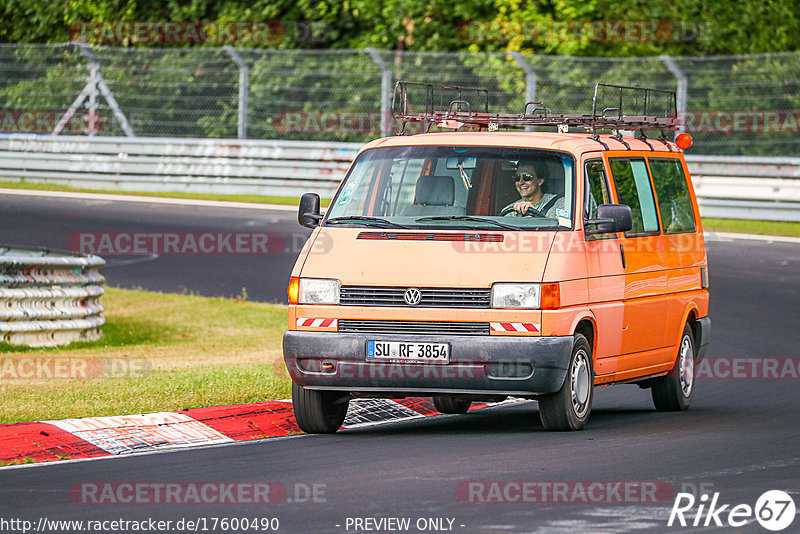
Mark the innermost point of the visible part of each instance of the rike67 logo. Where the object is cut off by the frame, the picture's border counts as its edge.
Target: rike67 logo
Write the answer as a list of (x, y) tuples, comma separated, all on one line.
[(774, 510)]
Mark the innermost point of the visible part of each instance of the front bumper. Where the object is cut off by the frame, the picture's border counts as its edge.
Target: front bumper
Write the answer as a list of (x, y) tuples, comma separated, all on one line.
[(479, 365)]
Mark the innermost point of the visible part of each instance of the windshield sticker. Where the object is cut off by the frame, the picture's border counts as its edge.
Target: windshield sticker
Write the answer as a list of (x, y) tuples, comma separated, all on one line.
[(563, 221), (345, 196), (561, 212)]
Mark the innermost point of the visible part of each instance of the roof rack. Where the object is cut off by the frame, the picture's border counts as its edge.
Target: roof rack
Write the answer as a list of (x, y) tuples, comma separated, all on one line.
[(653, 109)]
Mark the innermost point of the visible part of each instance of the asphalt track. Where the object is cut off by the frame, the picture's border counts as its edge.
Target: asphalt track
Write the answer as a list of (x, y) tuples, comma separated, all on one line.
[(740, 438)]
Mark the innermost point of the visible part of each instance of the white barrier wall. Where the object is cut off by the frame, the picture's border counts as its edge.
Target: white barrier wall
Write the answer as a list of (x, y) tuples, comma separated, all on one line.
[(225, 166)]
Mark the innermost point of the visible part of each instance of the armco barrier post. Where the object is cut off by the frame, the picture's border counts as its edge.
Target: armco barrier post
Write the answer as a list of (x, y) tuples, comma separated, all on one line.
[(49, 297)]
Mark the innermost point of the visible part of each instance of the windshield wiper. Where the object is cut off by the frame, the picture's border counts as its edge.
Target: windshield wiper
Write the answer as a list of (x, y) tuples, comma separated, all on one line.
[(469, 218), (361, 218)]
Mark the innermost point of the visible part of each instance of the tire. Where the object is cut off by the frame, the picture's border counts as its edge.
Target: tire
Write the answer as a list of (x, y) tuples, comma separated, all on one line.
[(318, 412), (450, 404), (569, 408), (673, 392)]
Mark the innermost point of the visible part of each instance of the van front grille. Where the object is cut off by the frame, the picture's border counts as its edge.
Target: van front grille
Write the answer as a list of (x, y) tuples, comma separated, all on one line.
[(431, 297), (413, 327)]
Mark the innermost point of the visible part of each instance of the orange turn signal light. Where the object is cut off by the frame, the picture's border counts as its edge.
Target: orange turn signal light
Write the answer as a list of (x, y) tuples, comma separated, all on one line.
[(550, 296), (293, 291), (683, 141)]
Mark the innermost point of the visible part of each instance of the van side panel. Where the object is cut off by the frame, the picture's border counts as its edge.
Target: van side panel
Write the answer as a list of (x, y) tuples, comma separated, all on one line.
[(684, 253), (644, 329)]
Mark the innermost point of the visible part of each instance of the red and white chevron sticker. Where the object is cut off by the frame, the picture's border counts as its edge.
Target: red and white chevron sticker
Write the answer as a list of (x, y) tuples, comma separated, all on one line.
[(515, 327), (317, 323)]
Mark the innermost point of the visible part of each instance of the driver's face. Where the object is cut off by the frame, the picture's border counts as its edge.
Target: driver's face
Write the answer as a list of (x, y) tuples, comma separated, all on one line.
[(528, 188)]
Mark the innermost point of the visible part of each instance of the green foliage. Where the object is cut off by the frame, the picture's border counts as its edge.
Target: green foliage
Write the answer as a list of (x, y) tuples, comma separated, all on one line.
[(316, 63), (685, 27)]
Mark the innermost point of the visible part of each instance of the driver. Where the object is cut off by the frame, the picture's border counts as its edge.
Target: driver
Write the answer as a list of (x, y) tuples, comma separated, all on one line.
[(529, 185)]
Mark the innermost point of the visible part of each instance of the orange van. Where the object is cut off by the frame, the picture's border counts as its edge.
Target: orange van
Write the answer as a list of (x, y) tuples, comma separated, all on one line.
[(476, 265)]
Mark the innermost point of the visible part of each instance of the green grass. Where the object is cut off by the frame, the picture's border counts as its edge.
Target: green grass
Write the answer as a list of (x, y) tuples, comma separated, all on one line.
[(251, 199), (741, 226), (197, 351)]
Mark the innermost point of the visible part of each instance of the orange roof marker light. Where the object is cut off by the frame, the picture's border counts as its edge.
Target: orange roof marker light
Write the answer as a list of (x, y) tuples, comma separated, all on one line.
[(684, 141)]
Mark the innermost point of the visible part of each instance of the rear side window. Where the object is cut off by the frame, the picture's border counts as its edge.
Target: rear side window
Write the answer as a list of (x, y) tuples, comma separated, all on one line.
[(673, 195), (633, 188)]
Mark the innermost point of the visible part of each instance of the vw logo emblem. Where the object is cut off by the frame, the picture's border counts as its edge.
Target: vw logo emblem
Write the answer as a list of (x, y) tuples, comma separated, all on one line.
[(412, 296)]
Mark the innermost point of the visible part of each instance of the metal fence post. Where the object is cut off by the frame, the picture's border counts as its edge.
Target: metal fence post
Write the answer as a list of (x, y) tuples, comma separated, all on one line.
[(95, 82), (243, 89), (530, 80), (386, 87), (682, 86), (94, 71)]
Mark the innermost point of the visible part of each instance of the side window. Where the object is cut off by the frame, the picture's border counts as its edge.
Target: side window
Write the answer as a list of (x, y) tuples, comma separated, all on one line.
[(673, 195), (633, 188), (597, 192)]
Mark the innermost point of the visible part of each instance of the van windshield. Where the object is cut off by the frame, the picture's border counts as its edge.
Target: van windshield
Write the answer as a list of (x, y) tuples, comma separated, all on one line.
[(457, 187)]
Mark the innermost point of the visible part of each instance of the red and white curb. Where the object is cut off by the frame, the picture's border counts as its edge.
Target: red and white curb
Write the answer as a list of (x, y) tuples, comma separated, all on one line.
[(92, 437)]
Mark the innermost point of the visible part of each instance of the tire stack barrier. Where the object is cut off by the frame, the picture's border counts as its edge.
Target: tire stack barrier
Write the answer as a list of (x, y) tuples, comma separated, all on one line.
[(49, 297)]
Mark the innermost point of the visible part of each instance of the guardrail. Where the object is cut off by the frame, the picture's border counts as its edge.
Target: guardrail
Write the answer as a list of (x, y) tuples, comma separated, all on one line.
[(282, 168), (727, 186), (740, 187), (48, 297)]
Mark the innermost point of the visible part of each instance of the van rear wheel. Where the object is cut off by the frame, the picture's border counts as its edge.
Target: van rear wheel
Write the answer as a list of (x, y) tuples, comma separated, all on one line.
[(450, 404), (570, 406), (673, 392), (319, 412)]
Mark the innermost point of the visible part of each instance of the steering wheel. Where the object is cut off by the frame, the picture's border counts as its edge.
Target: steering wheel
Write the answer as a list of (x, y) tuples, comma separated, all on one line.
[(530, 211)]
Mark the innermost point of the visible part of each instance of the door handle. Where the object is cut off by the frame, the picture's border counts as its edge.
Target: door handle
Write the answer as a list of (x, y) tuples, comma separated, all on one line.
[(622, 254)]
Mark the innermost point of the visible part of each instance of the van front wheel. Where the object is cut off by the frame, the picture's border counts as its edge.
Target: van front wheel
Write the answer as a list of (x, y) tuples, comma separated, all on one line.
[(319, 412), (673, 392), (570, 406)]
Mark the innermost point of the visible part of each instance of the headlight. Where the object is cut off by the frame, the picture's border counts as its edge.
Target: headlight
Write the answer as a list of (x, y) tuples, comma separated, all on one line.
[(318, 291), (515, 296)]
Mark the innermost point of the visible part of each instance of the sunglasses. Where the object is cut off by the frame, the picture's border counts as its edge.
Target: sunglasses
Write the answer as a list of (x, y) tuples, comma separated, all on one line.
[(528, 177)]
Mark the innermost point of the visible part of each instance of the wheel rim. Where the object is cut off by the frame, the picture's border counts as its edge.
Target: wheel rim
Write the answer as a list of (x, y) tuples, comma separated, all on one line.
[(686, 367), (579, 380)]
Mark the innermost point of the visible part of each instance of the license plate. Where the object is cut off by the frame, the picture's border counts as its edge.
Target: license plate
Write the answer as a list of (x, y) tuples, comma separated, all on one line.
[(401, 351)]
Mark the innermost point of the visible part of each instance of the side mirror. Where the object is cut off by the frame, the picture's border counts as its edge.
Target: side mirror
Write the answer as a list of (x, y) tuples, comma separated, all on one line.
[(308, 215), (610, 218)]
